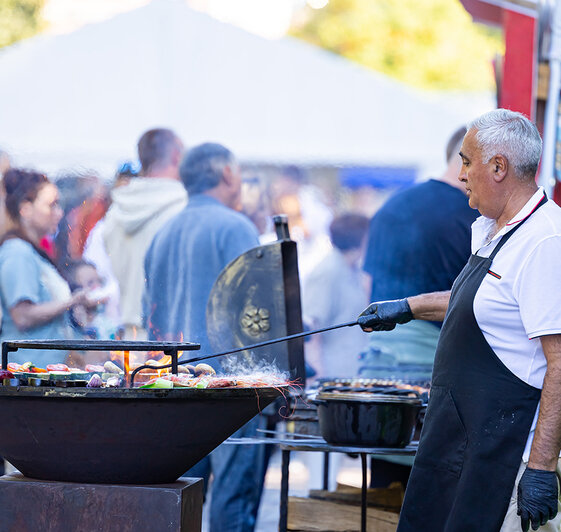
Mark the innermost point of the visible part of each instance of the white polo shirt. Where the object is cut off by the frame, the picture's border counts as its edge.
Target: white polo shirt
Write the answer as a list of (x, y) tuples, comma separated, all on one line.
[(521, 299)]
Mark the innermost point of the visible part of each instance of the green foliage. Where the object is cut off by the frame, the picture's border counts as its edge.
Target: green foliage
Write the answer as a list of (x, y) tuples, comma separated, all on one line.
[(19, 19), (432, 44)]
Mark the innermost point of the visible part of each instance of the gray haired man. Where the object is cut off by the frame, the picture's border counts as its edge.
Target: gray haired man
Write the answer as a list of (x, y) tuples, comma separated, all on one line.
[(182, 263), (492, 434)]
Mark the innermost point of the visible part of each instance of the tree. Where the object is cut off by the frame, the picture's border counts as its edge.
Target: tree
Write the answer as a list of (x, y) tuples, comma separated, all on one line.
[(431, 44), (19, 19)]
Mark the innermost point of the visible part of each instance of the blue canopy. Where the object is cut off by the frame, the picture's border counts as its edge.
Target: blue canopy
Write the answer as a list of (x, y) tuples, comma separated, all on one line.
[(377, 176)]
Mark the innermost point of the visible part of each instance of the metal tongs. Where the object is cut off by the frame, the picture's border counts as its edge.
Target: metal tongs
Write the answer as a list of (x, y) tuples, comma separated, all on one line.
[(244, 348)]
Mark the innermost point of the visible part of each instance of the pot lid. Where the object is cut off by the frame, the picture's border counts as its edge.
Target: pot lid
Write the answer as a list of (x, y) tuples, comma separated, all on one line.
[(368, 397)]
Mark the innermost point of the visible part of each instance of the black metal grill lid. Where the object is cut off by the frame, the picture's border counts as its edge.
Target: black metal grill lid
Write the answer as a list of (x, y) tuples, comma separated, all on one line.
[(256, 298)]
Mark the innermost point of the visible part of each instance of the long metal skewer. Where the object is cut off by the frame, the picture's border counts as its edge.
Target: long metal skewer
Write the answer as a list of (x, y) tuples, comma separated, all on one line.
[(245, 348)]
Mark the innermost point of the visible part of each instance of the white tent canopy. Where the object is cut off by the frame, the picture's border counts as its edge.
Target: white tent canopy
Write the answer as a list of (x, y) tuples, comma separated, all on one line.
[(84, 98)]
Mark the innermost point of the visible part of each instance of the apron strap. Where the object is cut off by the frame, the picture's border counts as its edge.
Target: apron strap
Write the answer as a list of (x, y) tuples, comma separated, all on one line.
[(505, 237)]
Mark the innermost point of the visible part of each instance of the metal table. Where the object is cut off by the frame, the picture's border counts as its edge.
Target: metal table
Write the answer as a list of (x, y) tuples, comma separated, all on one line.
[(317, 444), (320, 445)]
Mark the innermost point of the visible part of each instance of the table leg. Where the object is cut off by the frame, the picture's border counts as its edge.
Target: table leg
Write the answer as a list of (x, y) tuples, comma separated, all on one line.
[(326, 471), (283, 519), (363, 499)]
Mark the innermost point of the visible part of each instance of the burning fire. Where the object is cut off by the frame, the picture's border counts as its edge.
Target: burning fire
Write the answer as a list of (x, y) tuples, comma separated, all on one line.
[(126, 366), (163, 361), (153, 358)]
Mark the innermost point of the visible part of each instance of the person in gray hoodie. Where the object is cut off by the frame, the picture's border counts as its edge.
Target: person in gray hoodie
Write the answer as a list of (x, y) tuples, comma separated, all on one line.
[(138, 210)]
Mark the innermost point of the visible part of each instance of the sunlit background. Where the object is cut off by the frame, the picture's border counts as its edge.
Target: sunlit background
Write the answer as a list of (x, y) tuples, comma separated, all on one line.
[(356, 93)]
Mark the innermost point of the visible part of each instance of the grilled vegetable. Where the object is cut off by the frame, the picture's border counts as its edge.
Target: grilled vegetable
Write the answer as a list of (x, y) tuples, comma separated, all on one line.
[(204, 369), (109, 367), (58, 368), (113, 382), (95, 382), (158, 383), (95, 368), (60, 375)]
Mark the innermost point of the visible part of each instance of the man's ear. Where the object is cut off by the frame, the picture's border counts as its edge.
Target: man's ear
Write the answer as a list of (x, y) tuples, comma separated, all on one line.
[(500, 164), (176, 157), (227, 174)]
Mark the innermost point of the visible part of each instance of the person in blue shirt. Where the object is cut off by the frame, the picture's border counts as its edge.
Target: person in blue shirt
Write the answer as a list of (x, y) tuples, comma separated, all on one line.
[(419, 241), (182, 263)]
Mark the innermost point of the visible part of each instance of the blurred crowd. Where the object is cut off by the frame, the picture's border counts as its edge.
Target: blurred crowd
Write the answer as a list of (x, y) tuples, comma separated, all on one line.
[(73, 246), (135, 259)]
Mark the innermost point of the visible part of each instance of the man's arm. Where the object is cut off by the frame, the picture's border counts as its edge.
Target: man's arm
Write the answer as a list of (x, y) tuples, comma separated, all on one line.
[(384, 315), (547, 439), (430, 307), (537, 489)]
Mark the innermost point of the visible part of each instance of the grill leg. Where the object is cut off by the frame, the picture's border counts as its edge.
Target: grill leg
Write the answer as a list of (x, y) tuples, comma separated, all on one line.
[(283, 520), (363, 500), (326, 471)]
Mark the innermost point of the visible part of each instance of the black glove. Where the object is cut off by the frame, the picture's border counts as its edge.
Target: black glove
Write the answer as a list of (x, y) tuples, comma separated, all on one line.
[(537, 498), (384, 315)]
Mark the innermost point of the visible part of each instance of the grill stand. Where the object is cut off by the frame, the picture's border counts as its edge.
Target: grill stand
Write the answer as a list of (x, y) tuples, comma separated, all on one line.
[(175, 507)]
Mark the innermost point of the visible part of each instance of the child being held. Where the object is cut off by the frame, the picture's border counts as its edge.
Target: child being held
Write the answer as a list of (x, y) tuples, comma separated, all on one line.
[(90, 323)]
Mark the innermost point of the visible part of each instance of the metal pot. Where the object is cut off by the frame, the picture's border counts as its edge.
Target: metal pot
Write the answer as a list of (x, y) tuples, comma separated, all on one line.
[(367, 420)]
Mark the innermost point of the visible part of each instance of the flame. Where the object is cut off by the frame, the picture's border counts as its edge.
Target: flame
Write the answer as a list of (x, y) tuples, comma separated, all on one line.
[(154, 358), (179, 353), (126, 366), (166, 359), (163, 361), (134, 333), (124, 358)]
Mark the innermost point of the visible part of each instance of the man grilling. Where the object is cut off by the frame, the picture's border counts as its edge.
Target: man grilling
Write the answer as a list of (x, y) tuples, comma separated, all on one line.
[(490, 444), (181, 265)]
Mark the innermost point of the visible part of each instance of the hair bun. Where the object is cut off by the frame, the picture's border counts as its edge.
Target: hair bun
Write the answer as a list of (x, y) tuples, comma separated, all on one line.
[(11, 180), (21, 185)]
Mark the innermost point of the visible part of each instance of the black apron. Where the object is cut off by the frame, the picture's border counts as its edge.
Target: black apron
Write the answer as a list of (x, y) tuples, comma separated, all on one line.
[(476, 426)]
